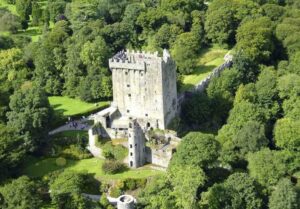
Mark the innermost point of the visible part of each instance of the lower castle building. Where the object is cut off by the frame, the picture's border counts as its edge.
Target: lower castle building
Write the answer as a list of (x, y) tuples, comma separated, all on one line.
[(144, 100)]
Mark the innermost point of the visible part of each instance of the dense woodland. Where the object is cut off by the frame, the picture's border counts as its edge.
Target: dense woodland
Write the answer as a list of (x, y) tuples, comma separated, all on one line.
[(241, 137)]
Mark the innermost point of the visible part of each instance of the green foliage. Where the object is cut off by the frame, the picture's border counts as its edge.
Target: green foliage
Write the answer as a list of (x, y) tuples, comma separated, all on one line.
[(256, 44), (23, 8), (56, 8), (76, 152), (267, 167), (30, 115), (223, 18), (284, 196), (114, 152), (186, 180), (113, 167), (12, 150), (203, 151), (67, 189), (184, 52), (20, 193), (9, 22), (287, 134), (238, 191), (157, 194)]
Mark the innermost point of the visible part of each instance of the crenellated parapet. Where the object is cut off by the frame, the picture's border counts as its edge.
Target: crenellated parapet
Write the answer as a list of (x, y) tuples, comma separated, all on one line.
[(138, 60)]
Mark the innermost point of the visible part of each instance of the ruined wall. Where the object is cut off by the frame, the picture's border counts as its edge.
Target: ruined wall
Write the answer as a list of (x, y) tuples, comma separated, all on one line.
[(160, 157)]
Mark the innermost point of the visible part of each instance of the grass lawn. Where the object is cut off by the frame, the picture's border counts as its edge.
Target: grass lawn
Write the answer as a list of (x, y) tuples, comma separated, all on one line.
[(72, 134), (39, 167), (33, 32), (69, 107), (208, 60)]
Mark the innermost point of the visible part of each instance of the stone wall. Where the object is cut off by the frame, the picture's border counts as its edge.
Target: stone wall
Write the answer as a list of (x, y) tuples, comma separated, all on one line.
[(202, 85)]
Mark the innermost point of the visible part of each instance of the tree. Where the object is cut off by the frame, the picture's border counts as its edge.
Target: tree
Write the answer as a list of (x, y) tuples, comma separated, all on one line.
[(56, 8), (284, 196), (186, 181), (250, 138), (196, 110), (184, 52), (117, 35), (256, 44), (96, 53), (273, 11), (66, 191), (23, 8), (12, 150), (238, 191), (21, 193), (30, 115), (223, 18), (9, 22), (224, 86), (37, 13), (202, 149), (267, 167), (287, 134), (289, 85), (157, 194), (13, 70)]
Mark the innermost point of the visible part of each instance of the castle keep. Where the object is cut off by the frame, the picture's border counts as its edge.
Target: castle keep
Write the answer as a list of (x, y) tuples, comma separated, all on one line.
[(144, 99)]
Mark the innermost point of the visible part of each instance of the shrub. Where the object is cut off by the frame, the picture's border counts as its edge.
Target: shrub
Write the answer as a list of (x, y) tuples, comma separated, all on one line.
[(113, 167), (115, 192), (132, 184), (61, 161), (76, 153)]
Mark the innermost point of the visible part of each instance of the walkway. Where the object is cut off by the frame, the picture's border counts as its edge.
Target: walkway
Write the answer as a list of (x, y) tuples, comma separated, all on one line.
[(77, 125)]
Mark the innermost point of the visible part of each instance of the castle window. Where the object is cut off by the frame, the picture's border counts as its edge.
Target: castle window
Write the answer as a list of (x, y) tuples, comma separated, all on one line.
[(135, 145), (128, 85), (130, 126), (131, 154), (129, 95), (128, 111), (131, 163), (131, 146), (146, 114), (126, 73)]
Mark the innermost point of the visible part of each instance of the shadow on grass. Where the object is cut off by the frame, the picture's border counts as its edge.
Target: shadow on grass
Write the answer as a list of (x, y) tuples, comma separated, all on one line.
[(39, 167)]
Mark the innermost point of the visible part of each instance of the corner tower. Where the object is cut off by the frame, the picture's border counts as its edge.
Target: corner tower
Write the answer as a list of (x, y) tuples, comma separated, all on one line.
[(136, 145)]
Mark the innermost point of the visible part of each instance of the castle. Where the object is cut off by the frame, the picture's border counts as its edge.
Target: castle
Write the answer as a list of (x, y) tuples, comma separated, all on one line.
[(144, 100)]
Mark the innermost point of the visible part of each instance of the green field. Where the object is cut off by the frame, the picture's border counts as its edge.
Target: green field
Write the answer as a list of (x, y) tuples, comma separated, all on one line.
[(40, 167), (33, 32), (208, 60), (69, 107)]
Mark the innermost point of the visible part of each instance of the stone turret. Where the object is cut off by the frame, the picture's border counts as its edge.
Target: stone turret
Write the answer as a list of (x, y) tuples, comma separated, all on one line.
[(125, 202), (136, 145)]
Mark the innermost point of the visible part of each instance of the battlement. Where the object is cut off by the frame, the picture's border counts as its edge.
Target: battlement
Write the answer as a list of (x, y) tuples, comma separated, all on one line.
[(137, 60)]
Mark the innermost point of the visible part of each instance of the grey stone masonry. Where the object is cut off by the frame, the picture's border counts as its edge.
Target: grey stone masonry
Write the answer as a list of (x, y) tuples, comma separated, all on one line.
[(144, 86)]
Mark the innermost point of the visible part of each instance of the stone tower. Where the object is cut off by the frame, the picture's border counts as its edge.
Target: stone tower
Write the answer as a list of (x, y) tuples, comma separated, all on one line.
[(136, 145), (144, 87), (125, 202)]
